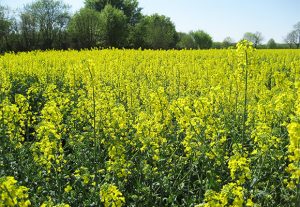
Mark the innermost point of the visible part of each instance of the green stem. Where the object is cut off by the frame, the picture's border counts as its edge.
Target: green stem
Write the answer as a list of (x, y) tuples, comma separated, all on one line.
[(94, 114), (245, 100)]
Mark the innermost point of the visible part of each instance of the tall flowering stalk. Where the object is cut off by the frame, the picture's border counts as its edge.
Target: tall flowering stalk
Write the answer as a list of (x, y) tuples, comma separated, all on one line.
[(244, 51)]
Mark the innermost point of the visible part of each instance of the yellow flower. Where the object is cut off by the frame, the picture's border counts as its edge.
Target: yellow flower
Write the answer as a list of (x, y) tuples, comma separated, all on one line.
[(110, 196), (11, 194), (68, 188)]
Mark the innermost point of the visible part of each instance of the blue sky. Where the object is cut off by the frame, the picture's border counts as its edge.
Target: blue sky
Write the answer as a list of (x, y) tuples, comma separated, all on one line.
[(220, 18)]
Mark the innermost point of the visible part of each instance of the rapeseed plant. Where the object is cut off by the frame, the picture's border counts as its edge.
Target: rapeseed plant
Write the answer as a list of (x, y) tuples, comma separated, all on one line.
[(151, 128)]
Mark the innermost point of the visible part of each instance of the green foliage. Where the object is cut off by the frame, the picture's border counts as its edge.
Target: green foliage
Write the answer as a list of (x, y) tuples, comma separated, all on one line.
[(85, 28), (186, 41), (159, 32), (48, 24), (90, 28), (202, 39), (113, 27), (4, 22), (271, 44), (227, 42), (196, 40), (5, 28), (136, 35), (44, 22), (130, 8), (255, 38), (293, 38)]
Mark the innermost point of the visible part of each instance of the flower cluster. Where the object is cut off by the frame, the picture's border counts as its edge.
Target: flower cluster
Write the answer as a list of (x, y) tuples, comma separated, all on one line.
[(11, 194), (110, 196), (294, 146)]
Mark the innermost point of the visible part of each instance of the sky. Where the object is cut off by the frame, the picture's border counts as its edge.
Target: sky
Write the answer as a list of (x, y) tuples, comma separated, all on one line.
[(220, 18)]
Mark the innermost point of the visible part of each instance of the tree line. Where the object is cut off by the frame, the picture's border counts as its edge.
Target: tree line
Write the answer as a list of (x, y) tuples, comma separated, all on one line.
[(48, 24)]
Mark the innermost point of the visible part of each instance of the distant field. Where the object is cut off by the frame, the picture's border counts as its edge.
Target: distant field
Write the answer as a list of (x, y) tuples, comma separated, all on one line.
[(150, 128)]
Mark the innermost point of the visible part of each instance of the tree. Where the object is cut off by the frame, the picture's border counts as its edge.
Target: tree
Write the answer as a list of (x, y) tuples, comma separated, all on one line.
[(159, 32), (186, 41), (271, 44), (48, 20), (5, 24), (249, 36), (202, 39), (294, 36), (130, 8), (256, 38), (227, 42), (113, 27), (297, 34), (136, 35), (29, 31), (84, 28), (291, 39)]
